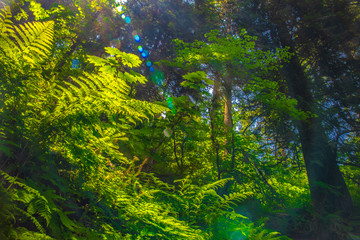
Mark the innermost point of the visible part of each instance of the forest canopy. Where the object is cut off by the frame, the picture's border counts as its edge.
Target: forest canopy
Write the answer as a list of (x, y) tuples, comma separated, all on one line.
[(164, 119)]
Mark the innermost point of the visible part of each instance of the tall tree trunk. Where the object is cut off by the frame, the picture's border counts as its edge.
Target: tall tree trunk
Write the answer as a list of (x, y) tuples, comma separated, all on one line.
[(229, 143), (213, 122), (228, 121), (329, 193), (228, 107)]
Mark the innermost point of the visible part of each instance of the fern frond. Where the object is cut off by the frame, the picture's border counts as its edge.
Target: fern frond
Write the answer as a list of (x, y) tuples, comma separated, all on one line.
[(252, 232), (258, 233), (217, 184), (35, 202), (13, 180), (33, 219), (6, 31), (24, 234), (171, 227), (6, 25), (5, 144), (208, 190), (41, 207), (31, 41), (127, 59), (233, 199), (97, 61), (132, 77), (36, 36), (67, 222), (159, 183), (99, 93)]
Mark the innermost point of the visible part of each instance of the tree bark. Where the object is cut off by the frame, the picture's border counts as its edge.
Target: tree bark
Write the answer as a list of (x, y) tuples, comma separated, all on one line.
[(228, 107), (213, 123), (329, 193)]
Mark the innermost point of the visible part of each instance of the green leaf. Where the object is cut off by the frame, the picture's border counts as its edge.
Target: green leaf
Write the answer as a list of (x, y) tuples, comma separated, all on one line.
[(97, 60)]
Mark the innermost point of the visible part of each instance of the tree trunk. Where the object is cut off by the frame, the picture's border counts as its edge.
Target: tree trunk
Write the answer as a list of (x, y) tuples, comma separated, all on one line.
[(329, 193), (213, 122), (228, 107), (228, 121)]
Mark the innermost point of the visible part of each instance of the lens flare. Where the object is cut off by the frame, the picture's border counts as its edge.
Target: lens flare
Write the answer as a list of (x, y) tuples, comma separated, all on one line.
[(169, 102), (137, 38), (157, 77), (238, 235), (75, 63), (145, 54)]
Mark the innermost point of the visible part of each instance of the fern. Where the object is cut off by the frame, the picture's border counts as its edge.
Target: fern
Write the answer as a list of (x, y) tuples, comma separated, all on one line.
[(67, 222), (83, 121), (215, 185), (84, 102), (202, 206), (40, 206), (5, 145), (6, 26), (35, 203), (27, 204), (31, 41), (34, 220), (86, 118), (252, 232), (104, 92), (23, 49), (232, 200), (24, 234), (35, 39)]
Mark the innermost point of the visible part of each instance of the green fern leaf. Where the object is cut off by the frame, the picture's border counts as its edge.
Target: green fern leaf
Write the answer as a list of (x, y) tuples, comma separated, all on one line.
[(97, 61), (127, 59), (233, 199), (40, 206), (24, 234), (67, 222), (34, 40), (6, 25), (6, 31)]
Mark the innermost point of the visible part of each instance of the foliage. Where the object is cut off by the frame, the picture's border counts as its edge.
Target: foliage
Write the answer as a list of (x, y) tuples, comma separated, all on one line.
[(85, 155), (256, 232), (26, 202)]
